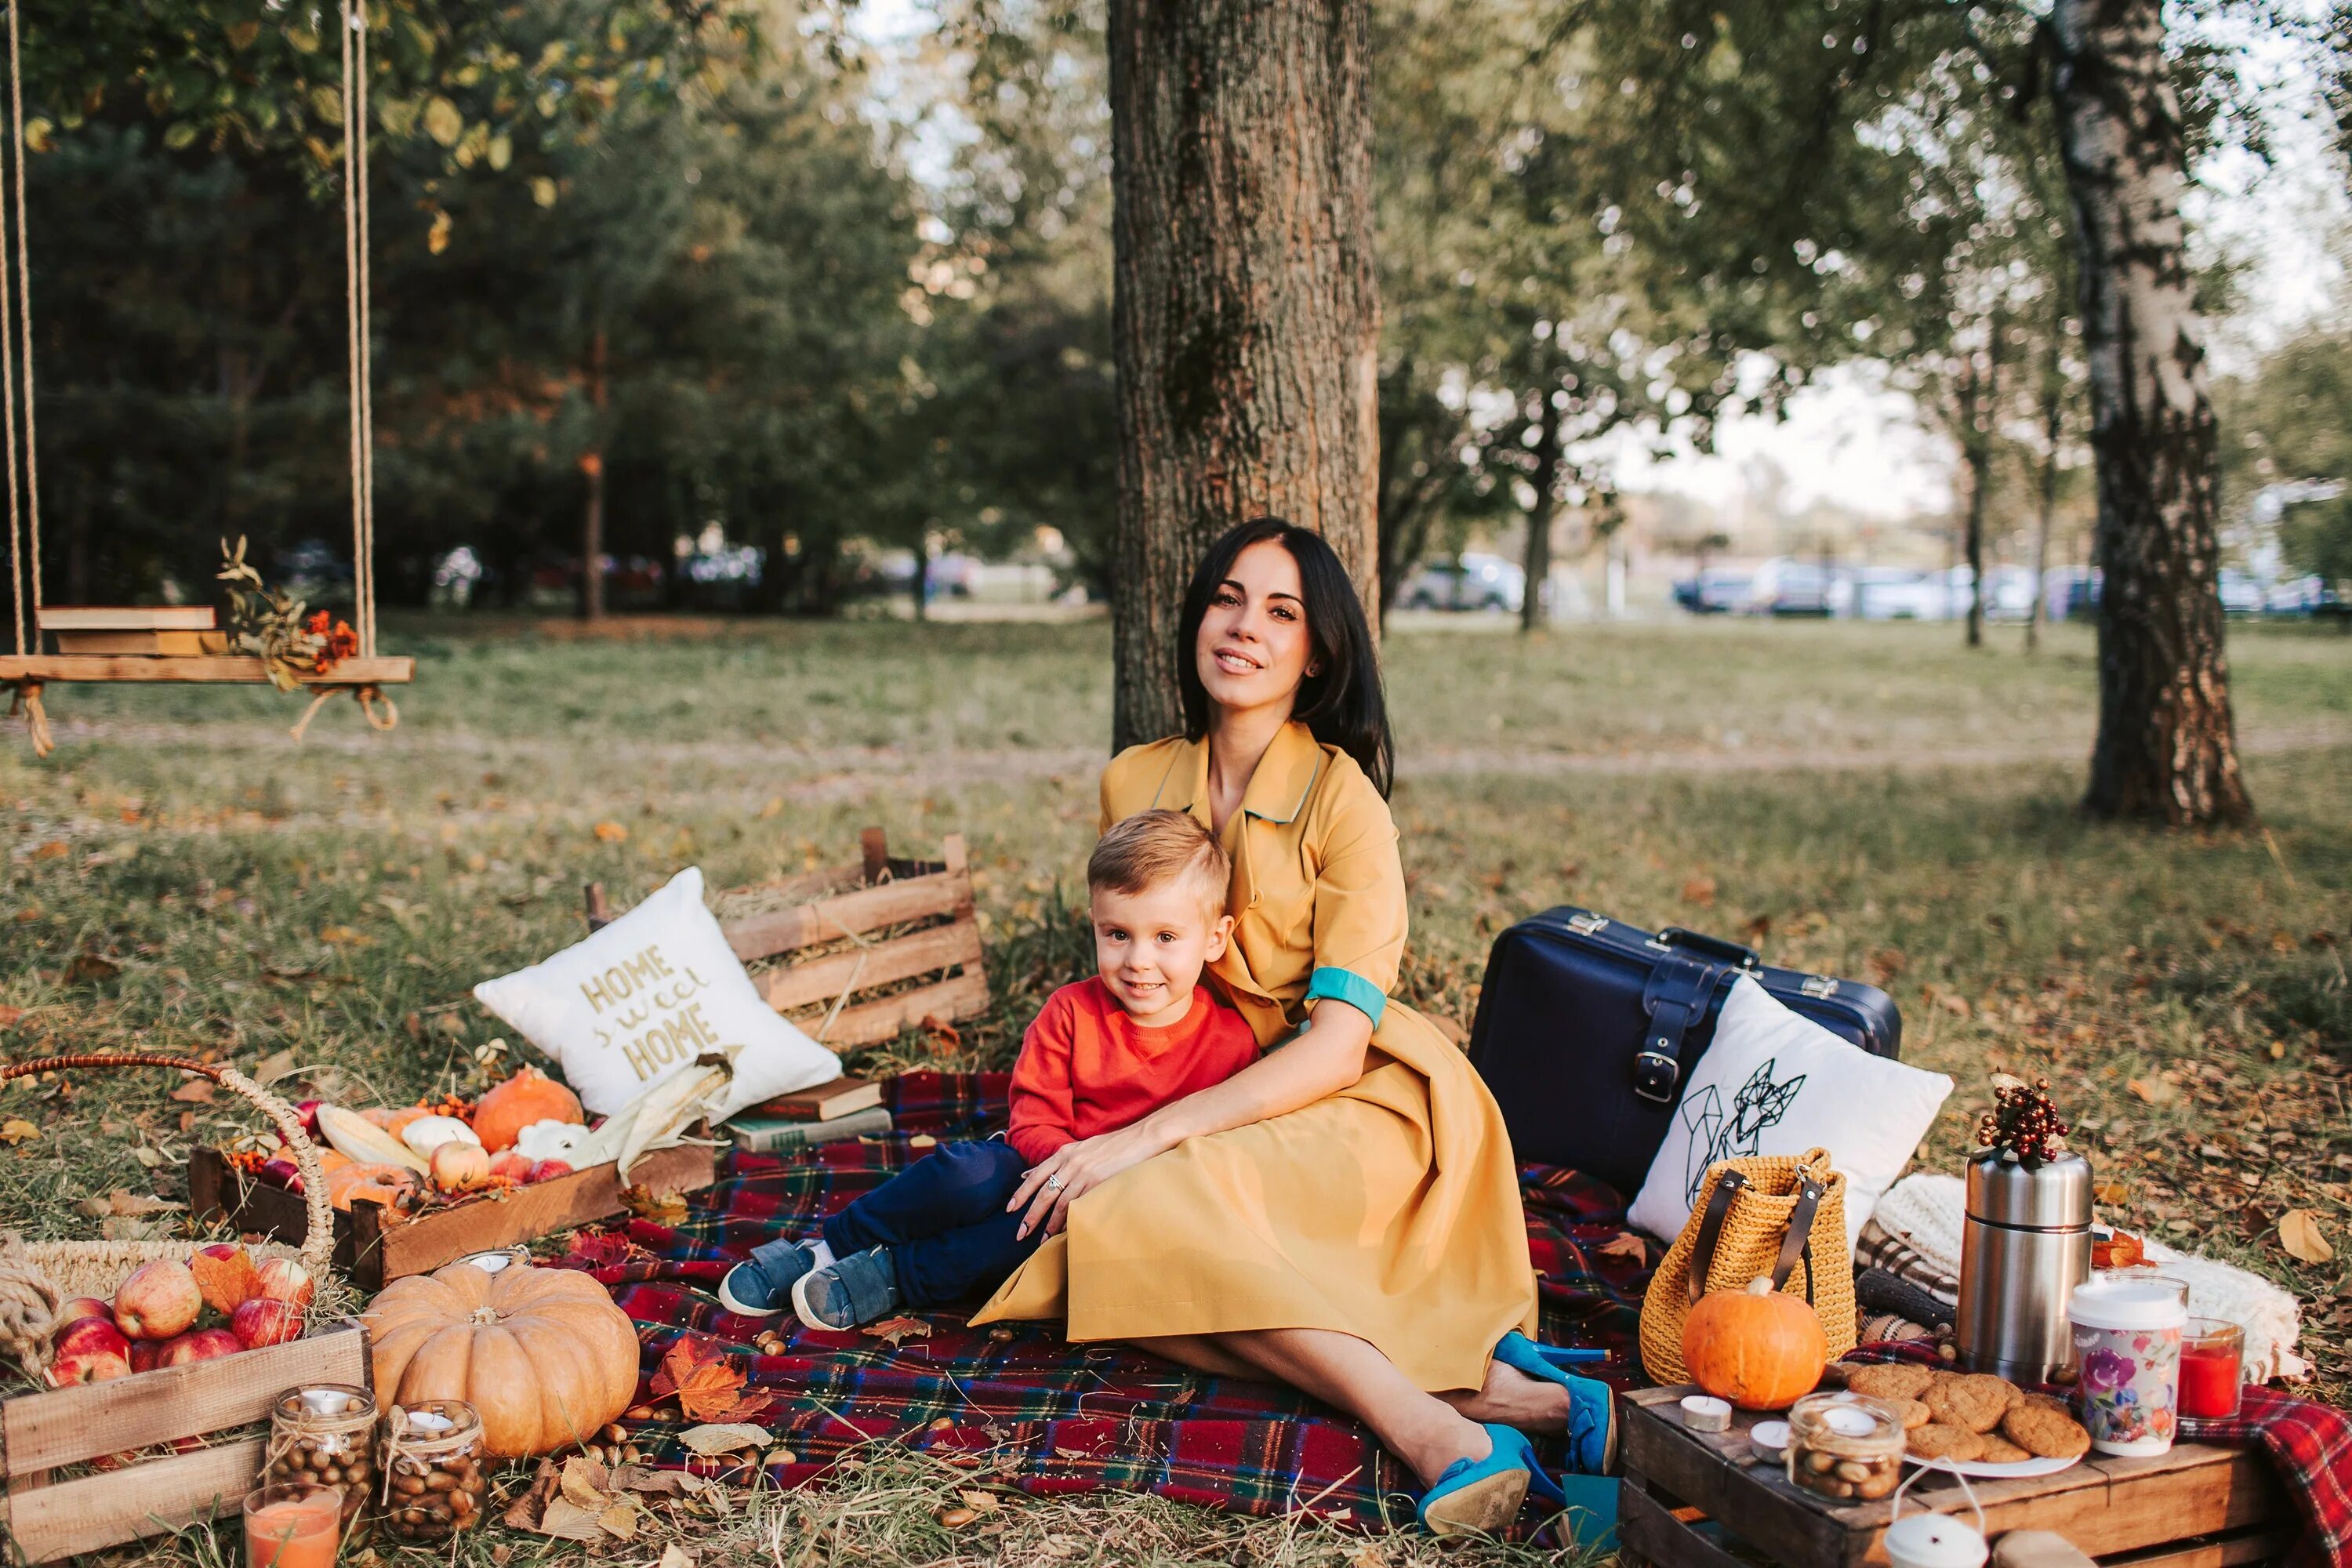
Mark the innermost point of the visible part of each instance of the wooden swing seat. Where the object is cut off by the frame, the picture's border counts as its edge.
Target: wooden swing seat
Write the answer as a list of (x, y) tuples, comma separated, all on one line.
[(206, 669)]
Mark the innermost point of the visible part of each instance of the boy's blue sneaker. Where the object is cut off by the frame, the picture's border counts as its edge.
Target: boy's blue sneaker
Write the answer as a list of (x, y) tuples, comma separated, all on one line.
[(763, 1283), (848, 1291)]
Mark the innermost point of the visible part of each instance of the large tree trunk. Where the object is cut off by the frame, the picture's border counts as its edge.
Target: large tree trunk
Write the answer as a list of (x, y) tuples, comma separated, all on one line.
[(2167, 749), (1976, 445), (1547, 480), (2053, 427), (592, 516), (1245, 318)]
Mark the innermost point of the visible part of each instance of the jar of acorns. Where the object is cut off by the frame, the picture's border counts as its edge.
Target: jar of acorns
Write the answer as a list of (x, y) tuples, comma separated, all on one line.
[(1844, 1446), (434, 1482), (325, 1435)]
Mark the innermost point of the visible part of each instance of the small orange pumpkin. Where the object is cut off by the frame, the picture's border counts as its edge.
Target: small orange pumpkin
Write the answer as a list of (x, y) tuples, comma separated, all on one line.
[(1759, 1348), (543, 1353), (529, 1095)]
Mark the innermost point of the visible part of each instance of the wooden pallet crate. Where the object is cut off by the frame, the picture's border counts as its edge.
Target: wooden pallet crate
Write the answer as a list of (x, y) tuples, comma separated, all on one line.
[(835, 992), (1684, 1491), (375, 1246), (41, 1433)]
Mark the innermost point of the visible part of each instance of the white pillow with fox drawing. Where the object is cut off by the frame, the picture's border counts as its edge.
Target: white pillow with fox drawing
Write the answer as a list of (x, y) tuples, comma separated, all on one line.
[(640, 999), (1775, 1082)]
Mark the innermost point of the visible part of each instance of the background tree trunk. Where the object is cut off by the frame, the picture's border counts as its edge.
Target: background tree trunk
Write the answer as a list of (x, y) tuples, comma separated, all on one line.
[(2167, 749), (1245, 317), (1547, 479), (2053, 427), (592, 517), (1976, 446)]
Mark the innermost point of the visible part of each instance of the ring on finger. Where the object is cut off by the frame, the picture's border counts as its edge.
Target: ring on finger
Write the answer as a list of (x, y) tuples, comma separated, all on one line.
[(1053, 1184)]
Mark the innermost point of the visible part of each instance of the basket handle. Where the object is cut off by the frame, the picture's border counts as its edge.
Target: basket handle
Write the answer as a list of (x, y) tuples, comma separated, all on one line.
[(319, 1235)]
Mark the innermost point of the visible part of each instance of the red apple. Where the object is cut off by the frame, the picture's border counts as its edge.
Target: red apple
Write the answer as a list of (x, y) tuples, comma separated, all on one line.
[(282, 1173), (201, 1345), (283, 1279), (159, 1301), (142, 1354), (81, 1307), (307, 1113), (514, 1167), (264, 1322), (546, 1169), (94, 1366), (87, 1336)]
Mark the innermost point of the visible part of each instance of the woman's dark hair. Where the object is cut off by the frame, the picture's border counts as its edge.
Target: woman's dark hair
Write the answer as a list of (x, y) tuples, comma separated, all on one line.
[(1343, 704)]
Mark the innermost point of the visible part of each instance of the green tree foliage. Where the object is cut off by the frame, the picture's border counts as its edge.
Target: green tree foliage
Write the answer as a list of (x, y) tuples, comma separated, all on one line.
[(2291, 420)]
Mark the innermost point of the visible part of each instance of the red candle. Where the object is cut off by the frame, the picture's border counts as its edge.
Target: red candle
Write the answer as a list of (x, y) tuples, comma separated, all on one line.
[(2212, 1361), (293, 1527)]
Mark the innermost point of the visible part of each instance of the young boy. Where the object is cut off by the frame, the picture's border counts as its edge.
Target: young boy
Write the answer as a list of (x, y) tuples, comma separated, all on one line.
[(1104, 1053)]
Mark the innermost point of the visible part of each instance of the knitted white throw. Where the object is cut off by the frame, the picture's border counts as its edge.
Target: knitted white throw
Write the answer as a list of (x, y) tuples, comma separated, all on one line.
[(1927, 1210)]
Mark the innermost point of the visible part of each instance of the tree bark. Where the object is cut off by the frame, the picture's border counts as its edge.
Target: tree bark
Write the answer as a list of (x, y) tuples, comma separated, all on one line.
[(2053, 427), (1976, 444), (591, 517), (2167, 749), (1547, 479), (1245, 318)]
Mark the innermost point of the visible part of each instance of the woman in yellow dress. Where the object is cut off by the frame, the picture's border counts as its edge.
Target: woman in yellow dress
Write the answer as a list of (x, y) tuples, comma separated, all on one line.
[(1344, 1214)]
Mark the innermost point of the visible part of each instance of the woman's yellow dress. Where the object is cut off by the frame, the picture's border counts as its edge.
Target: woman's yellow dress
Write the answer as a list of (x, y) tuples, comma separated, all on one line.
[(1390, 1210)]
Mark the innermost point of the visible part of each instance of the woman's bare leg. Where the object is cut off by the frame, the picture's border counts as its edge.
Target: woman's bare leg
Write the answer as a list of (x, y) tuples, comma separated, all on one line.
[(1423, 1430), (1512, 1398)]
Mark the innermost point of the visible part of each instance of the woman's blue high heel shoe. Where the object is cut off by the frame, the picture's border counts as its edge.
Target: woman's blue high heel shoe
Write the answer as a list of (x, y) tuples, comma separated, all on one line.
[(1483, 1496), (1591, 1404)]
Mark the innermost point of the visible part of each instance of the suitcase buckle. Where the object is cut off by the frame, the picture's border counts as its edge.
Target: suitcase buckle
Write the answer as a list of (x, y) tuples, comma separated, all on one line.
[(1654, 1076)]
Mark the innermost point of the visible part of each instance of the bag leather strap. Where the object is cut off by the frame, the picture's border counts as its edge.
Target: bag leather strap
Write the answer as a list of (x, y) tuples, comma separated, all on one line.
[(1676, 998), (1798, 1242), (1727, 1186)]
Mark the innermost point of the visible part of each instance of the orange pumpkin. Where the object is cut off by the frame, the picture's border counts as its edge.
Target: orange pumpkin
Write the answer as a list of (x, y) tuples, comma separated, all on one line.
[(529, 1095), (543, 1353), (377, 1183), (1759, 1348)]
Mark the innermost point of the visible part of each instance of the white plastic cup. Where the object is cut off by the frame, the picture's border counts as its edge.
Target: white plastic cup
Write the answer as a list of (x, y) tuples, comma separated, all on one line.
[(2127, 1335)]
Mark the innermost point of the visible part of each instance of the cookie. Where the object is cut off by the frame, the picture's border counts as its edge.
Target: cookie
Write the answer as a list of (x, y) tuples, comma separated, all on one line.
[(1914, 1414), (1977, 1401), (1897, 1382), (2046, 1433), (2000, 1450), (1938, 1441)]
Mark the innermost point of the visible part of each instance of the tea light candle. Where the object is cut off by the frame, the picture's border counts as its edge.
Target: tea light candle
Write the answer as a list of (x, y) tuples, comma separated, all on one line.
[(1848, 1421), (1704, 1413)]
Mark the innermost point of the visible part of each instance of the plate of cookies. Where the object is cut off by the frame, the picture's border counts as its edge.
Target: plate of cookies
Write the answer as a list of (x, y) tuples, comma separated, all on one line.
[(1974, 1424)]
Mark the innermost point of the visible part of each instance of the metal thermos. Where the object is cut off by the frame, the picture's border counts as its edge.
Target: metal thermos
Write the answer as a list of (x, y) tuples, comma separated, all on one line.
[(2025, 1246)]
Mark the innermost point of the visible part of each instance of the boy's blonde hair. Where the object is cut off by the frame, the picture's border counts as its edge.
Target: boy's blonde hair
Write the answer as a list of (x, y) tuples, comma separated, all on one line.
[(1153, 848)]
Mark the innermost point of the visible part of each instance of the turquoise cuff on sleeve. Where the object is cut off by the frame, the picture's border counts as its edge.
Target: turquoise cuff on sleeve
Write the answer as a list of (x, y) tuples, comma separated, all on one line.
[(1347, 985)]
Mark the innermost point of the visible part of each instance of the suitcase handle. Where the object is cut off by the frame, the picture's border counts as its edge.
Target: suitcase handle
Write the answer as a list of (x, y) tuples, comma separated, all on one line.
[(1747, 958)]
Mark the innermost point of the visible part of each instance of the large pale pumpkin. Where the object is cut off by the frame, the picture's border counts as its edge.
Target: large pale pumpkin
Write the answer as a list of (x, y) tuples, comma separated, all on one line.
[(543, 1353), (1759, 1348)]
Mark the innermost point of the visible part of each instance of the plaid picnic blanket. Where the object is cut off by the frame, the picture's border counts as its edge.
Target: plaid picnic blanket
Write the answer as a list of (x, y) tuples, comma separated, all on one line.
[(2309, 1444), (1018, 1404)]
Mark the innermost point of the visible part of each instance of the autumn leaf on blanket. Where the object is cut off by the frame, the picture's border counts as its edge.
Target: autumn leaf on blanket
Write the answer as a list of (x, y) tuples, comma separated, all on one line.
[(705, 1386), (896, 1331), (226, 1283), (1624, 1245), (668, 1209)]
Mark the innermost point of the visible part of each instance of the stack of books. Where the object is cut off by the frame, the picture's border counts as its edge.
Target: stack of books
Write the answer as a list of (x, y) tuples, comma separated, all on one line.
[(151, 631), (845, 1108)]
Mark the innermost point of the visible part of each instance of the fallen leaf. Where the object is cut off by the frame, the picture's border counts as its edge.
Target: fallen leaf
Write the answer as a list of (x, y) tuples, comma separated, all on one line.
[(619, 1519), (612, 833), (9, 1016), (722, 1438), (668, 1209), (16, 1129), (273, 1067), (644, 1478), (584, 1481), (525, 1510), (981, 1502), (196, 1091), (120, 1204), (896, 1331), (1956, 1005), (707, 1386), (344, 936), (56, 849), (1698, 889), (91, 966), (567, 1520), (2111, 1192), (2154, 1090), (151, 1158), (1883, 964), (1624, 1245), (676, 1556), (226, 1283), (775, 804), (2299, 1233)]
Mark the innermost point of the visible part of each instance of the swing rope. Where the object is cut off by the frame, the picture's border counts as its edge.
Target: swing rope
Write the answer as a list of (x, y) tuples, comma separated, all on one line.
[(25, 309), (360, 333), (9, 398)]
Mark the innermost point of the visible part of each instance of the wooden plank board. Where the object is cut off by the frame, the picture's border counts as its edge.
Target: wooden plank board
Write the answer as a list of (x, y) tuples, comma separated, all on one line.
[(820, 980), (868, 909), (869, 1023), (67, 1426), (2255, 1546), (126, 618), (205, 670), (1774, 1517), (1648, 1533), (93, 1512)]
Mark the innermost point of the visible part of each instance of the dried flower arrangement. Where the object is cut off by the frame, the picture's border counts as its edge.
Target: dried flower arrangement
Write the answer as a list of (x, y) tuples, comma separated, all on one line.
[(269, 625), (2023, 1125)]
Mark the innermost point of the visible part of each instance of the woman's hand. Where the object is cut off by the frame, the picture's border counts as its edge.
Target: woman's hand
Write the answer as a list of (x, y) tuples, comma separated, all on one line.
[(1056, 1182)]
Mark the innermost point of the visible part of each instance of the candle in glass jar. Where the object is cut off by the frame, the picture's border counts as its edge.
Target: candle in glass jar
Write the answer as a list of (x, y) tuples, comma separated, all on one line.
[(295, 1526), (2212, 1368)]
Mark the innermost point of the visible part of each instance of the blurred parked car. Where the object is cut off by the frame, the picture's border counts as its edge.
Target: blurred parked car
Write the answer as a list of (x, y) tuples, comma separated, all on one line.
[(2069, 591), (1896, 593), (1470, 581), (1785, 585), (2241, 593), (2304, 597), (1717, 591)]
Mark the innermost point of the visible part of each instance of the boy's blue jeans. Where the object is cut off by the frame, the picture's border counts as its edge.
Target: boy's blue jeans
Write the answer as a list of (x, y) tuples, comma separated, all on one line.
[(943, 1222)]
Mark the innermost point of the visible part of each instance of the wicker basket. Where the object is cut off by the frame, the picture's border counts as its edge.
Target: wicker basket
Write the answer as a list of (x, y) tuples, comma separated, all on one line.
[(38, 1276)]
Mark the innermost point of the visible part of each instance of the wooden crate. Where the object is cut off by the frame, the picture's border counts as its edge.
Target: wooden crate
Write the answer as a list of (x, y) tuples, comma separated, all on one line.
[(2197, 1506), (375, 1252), (881, 892), (41, 1431)]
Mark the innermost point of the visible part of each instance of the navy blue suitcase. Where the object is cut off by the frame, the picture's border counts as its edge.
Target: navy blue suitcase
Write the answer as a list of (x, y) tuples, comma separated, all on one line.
[(1587, 1027)]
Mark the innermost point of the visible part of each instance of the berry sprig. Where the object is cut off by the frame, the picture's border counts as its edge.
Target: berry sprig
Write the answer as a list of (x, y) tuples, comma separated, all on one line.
[(2023, 1124)]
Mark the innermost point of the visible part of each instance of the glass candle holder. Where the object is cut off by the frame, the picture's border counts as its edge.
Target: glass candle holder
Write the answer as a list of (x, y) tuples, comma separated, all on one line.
[(2212, 1368), (297, 1525)]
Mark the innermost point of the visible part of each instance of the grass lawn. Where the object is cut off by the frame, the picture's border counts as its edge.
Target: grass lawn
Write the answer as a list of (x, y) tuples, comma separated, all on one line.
[(1867, 801)]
